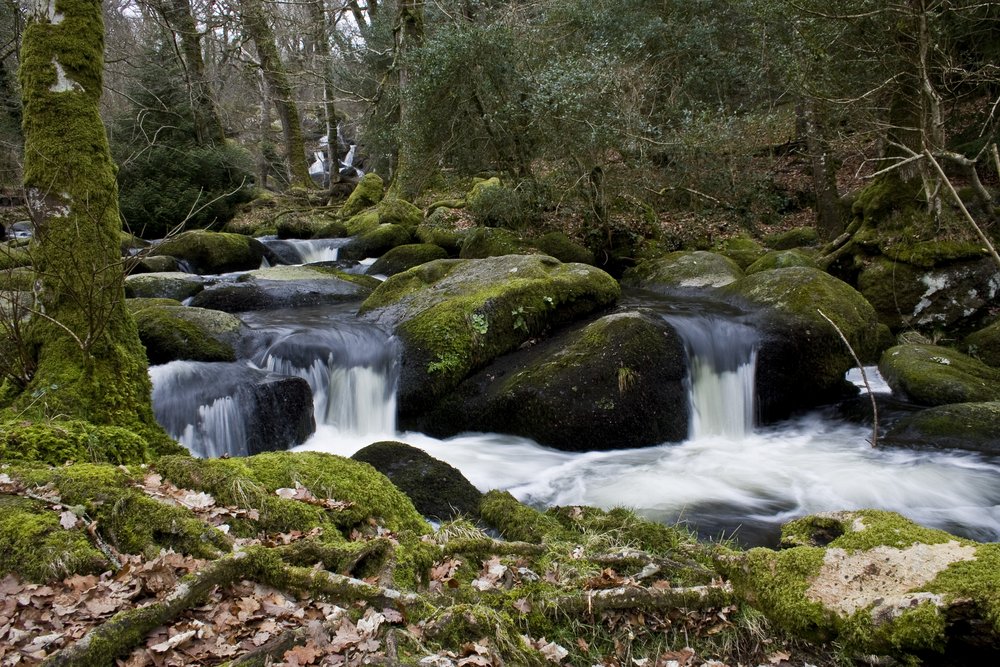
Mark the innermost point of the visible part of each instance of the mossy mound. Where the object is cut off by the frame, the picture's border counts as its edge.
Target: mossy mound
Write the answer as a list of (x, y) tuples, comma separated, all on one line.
[(13, 256), (782, 259), (984, 345), (333, 229), (437, 490), (171, 333), (405, 257), (563, 248), (170, 285), (876, 583), (439, 230), (396, 211), (367, 193), (618, 382), (455, 316), (793, 238), (696, 268), (933, 375), (285, 287), (298, 226), (802, 360), (484, 242), (56, 442), (361, 222), (156, 264), (213, 252), (968, 426), (376, 241), (742, 250), (251, 483), (35, 546)]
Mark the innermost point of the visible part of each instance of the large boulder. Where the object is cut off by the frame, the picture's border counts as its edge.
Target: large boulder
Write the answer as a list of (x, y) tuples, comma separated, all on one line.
[(563, 248), (171, 333), (741, 249), (213, 252), (396, 211), (879, 585), (405, 257), (285, 287), (368, 192), (802, 359), (968, 426), (492, 242), (934, 375), (984, 344), (280, 414), (168, 285), (618, 382), (437, 489), (957, 294), (454, 316), (376, 241), (792, 238), (782, 259), (684, 269), (440, 229)]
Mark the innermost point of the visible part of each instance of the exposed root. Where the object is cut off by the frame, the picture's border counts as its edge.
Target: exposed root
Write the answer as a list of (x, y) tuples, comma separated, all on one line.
[(641, 598)]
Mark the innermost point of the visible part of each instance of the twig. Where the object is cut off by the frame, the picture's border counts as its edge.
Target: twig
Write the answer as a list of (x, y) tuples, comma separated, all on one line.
[(864, 377)]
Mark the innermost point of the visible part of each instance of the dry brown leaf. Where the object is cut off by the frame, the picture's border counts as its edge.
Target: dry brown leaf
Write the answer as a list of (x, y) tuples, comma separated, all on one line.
[(173, 642), (302, 655)]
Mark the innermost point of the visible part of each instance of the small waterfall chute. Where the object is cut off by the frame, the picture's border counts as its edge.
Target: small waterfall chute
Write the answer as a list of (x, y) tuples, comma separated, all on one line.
[(304, 251)]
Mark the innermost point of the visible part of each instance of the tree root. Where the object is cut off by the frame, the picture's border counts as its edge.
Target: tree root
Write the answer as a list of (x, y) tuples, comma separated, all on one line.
[(640, 598), (484, 547), (126, 629)]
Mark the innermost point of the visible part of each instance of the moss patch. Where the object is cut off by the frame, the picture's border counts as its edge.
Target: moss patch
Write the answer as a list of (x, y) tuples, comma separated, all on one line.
[(696, 268), (933, 375), (782, 259), (214, 252), (368, 192), (405, 257), (58, 441)]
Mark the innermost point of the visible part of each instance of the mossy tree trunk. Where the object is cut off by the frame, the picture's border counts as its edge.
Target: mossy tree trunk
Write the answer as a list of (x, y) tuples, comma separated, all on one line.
[(321, 47), (180, 20), (89, 362), (256, 25), (408, 35)]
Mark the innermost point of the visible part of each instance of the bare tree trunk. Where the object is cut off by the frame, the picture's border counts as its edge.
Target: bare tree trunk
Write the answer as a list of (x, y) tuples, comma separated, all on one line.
[(321, 46), (824, 176), (90, 363), (259, 30)]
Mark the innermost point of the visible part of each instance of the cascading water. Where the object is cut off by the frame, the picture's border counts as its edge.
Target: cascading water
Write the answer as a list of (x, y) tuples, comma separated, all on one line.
[(722, 362), (351, 370), (298, 251)]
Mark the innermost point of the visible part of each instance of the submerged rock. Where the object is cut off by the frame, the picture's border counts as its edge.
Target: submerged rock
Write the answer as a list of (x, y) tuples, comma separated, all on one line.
[(802, 360), (437, 489), (616, 383), (933, 375), (455, 316), (684, 269), (878, 584)]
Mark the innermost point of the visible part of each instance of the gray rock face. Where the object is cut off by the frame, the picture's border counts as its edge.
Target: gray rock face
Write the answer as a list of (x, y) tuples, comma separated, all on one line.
[(281, 415), (617, 382)]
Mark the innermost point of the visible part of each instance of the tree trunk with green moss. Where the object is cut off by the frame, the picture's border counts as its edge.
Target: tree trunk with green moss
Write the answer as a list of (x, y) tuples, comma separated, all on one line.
[(409, 35), (88, 361), (256, 25)]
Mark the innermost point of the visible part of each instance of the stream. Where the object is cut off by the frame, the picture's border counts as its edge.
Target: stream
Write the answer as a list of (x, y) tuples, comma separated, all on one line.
[(730, 479)]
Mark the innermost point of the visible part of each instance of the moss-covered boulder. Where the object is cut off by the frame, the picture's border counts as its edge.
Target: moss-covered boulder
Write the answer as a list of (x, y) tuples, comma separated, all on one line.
[(984, 344), (405, 257), (170, 285), (170, 333), (934, 375), (397, 211), (437, 490), (333, 229), (741, 249), (792, 238), (493, 242), (367, 193), (59, 441), (455, 316), (618, 382), (440, 229), (802, 360), (968, 426), (298, 226), (155, 264), (877, 584), (683, 269), (782, 259), (213, 252), (376, 241), (563, 248), (362, 222), (285, 287), (955, 295)]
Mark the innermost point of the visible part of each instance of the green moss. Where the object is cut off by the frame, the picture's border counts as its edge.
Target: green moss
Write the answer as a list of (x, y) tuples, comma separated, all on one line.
[(12, 257), (214, 252), (977, 580), (34, 545), (684, 269), (170, 334), (968, 426), (560, 246), (933, 375), (516, 521), (57, 441), (885, 195), (919, 629), (368, 192), (396, 211), (782, 259), (439, 230), (334, 229), (742, 250), (492, 242), (21, 279), (793, 238), (984, 345), (860, 531), (405, 257)]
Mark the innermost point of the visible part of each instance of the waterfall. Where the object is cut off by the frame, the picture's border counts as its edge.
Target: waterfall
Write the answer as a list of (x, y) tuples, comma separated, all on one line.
[(352, 371), (722, 360), (299, 251)]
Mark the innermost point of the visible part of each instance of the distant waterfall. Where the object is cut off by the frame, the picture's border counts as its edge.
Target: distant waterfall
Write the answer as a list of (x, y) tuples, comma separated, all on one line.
[(352, 371), (300, 251), (722, 361)]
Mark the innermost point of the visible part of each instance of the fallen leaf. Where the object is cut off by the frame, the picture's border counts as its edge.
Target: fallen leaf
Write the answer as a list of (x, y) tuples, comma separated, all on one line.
[(302, 655), (68, 520), (173, 642)]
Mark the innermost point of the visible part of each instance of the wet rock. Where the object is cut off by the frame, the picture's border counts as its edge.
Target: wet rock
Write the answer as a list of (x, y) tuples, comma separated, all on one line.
[(171, 333), (437, 489), (615, 383), (405, 257), (683, 269), (376, 241), (169, 285), (968, 426), (213, 252), (560, 246), (156, 264), (281, 414), (455, 316), (933, 375), (284, 287), (984, 345)]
